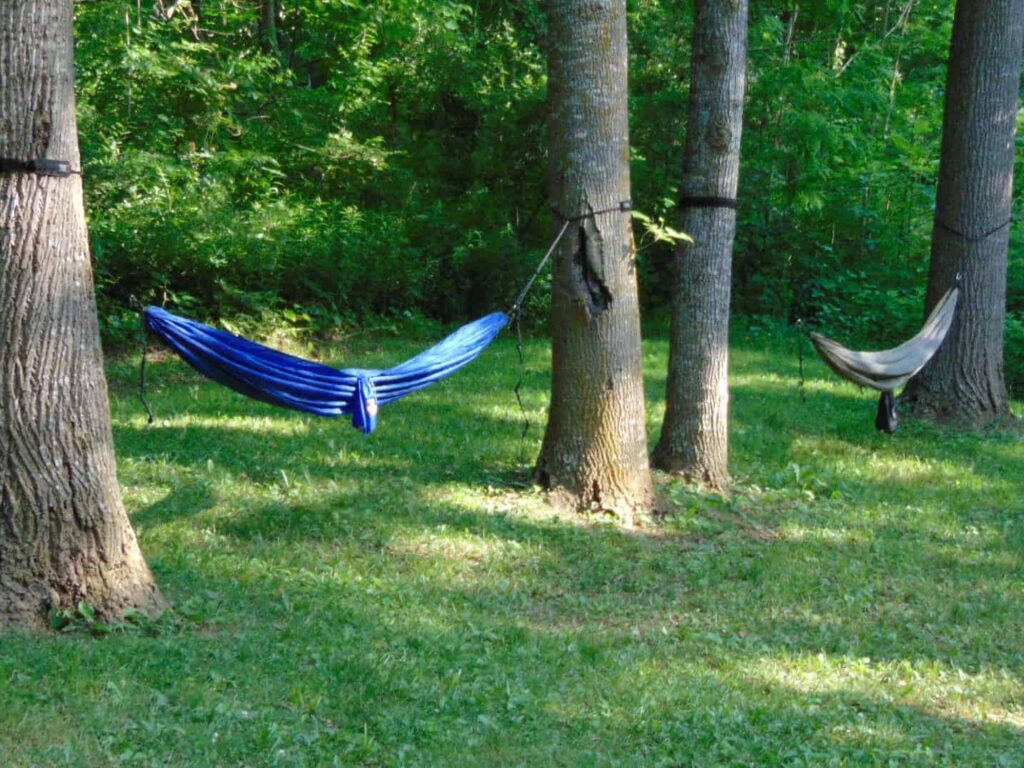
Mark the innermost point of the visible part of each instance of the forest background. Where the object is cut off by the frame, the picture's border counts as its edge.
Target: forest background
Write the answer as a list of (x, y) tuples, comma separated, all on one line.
[(332, 164)]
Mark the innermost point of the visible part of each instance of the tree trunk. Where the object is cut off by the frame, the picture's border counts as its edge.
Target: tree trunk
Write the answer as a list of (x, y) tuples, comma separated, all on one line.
[(594, 454), (964, 383), (695, 435), (268, 27), (64, 534)]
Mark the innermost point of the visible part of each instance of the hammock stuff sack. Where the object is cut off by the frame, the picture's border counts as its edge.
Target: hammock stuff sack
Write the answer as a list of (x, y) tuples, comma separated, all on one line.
[(280, 379), (890, 369)]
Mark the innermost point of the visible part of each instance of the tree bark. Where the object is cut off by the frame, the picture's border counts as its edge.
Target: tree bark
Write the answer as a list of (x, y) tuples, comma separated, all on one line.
[(594, 454), (268, 27), (695, 434), (64, 534), (964, 383)]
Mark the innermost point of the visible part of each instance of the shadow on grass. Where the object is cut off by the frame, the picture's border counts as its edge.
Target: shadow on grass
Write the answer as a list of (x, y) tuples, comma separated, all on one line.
[(369, 601), (466, 439), (381, 655), (888, 591), (187, 499), (866, 586)]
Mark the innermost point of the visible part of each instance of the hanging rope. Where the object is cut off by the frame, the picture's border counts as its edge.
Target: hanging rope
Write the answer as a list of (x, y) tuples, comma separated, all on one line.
[(137, 305), (516, 312), (518, 304), (800, 355)]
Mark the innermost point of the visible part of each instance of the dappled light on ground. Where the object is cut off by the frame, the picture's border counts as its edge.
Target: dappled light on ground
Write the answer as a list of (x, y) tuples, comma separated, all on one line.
[(408, 598)]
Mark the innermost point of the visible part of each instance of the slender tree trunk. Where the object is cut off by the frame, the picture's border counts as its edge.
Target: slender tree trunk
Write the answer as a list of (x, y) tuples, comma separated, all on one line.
[(197, 20), (268, 27), (964, 383), (695, 435), (594, 454), (64, 534)]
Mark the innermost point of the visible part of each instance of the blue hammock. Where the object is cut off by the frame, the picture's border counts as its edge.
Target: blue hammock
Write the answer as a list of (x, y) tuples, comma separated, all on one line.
[(274, 377)]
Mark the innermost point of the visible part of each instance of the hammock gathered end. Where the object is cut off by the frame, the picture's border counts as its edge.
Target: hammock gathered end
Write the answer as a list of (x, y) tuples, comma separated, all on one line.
[(274, 377)]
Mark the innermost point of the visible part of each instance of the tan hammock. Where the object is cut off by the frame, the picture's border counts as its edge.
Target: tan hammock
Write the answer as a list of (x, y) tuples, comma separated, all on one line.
[(890, 369)]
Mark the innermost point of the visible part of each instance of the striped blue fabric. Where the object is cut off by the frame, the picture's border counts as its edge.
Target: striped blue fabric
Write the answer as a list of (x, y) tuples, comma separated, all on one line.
[(281, 379)]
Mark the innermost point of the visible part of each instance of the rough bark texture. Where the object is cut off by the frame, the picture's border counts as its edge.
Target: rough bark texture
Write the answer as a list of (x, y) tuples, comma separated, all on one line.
[(64, 534), (594, 454), (964, 383), (695, 435)]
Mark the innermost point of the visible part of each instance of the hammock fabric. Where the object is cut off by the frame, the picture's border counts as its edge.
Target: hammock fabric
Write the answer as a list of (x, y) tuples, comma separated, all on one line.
[(890, 369), (280, 379)]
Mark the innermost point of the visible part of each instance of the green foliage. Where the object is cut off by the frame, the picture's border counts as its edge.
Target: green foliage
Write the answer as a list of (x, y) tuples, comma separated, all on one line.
[(841, 154), (658, 231), (387, 158), (1015, 351), (391, 157), (83, 620), (407, 598)]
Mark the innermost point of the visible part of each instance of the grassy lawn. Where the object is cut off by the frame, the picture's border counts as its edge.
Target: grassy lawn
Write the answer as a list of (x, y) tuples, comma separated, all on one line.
[(408, 599)]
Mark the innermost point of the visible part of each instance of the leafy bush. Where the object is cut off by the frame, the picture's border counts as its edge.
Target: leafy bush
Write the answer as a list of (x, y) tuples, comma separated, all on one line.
[(389, 159)]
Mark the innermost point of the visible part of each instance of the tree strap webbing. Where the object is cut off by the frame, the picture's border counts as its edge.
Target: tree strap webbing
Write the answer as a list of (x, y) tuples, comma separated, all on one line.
[(973, 238), (704, 201), (40, 166), (625, 205)]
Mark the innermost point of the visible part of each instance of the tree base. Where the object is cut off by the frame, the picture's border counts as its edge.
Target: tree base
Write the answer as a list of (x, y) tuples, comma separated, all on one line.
[(955, 413), (690, 469), (30, 605), (628, 504)]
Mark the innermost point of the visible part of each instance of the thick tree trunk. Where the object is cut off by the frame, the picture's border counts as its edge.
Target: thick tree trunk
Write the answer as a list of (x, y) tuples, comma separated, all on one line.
[(964, 383), (695, 435), (594, 454), (64, 534)]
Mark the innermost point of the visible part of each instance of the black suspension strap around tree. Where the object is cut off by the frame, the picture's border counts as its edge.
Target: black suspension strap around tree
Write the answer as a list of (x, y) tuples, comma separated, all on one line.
[(707, 201), (958, 278), (41, 166), (625, 205), (973, 238)]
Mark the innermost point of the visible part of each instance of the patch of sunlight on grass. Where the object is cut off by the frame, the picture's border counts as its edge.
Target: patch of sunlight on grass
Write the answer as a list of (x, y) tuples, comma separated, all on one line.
[(464, 553), (930, 686), (848, 458), (287, 426), (795, 532)]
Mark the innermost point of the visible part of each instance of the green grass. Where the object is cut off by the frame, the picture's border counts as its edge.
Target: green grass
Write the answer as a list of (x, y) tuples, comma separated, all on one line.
[(407, 599)]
